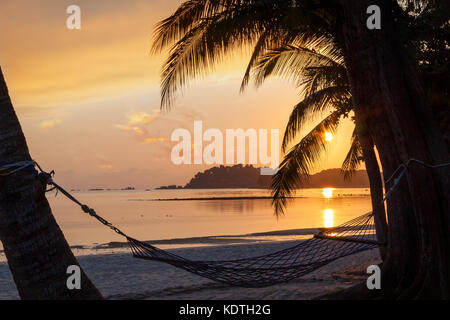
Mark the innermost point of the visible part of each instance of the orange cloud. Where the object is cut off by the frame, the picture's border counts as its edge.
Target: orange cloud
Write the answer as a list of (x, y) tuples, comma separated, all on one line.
[(152, 140), (50, 123), (136, 126), (136, 118), (123, 127)]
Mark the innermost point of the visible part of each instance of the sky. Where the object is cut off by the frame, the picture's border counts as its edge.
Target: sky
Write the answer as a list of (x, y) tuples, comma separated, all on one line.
[(89, 101)]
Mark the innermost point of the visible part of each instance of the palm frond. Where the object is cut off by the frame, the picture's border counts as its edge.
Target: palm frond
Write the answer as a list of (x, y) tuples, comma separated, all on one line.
[(353, 159), (204, 31), (263, 43), (203, 47), (186, 18), (290, 61), (295, 168), (305, 110), (317, 77), (176, 70), (415, 6)]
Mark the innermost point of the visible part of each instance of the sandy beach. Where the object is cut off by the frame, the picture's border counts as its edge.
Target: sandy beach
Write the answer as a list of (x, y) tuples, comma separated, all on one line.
[(213, 229), (120, 276)]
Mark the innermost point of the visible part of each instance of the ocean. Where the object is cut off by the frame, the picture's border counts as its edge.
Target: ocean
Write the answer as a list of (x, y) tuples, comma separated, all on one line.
[(196, 224), (195, 217)]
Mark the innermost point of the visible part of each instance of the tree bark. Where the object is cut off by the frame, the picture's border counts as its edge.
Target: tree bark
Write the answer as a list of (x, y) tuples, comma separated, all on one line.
[(376, 184), (388, 96), (37, 252)]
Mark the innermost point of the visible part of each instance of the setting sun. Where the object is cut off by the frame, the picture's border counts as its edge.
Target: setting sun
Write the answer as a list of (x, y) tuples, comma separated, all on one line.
[(327, 192), (328, 136)]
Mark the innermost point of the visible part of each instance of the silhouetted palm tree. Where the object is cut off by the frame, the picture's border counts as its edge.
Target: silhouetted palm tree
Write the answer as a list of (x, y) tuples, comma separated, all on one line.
[(202, 33), (322, 80), (306, 54), (37, 252), (324, 85), (390, 106)]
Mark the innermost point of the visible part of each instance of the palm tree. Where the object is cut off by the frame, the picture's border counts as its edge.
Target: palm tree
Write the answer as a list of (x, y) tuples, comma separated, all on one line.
[(324, 87), (202, 33), (390, 107), (298, 53), (389, 99), (37, 252)]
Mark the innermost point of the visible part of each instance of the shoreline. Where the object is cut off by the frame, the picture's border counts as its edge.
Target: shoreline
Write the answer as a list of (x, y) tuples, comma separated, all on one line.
[(191, 242), (120, 276), (228, 198)]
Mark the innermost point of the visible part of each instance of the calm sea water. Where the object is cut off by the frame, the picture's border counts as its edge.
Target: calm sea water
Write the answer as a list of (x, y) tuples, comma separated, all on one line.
[(162, 214), (142, 215)]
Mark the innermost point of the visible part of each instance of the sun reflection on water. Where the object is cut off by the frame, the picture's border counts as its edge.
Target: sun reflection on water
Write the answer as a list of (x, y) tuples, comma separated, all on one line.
[(328, 218)]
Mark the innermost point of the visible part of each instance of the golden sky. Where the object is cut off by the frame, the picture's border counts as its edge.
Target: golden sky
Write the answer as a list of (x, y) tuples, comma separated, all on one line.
[(88, 100)]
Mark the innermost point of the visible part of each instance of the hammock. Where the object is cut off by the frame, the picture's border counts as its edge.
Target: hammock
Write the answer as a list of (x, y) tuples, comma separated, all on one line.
[(328, 245), (354, 236)]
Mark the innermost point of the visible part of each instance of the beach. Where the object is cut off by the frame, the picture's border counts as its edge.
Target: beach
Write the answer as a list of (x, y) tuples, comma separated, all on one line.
[(229, 133), (200, 225), (120, 276)]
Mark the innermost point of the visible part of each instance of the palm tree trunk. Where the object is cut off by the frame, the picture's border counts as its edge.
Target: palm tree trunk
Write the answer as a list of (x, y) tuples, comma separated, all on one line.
[(376, 184), (387, 94), (37, 252)]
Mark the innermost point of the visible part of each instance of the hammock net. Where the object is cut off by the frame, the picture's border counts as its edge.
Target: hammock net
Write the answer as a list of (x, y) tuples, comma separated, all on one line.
[(308, 255)]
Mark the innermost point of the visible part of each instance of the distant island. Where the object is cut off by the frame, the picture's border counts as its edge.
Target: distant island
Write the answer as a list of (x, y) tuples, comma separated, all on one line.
[(170, 187), (103, 189), (249, 177), (334, 178), (237, 176)]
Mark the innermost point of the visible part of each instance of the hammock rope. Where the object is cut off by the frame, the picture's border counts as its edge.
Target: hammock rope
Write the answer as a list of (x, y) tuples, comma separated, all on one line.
[(277, 267), (328, 245)]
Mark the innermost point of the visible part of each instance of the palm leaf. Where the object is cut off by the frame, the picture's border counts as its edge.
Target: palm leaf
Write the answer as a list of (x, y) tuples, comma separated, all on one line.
[(353, 159), (186, 18), (316, 102), (295, 168), (317, 77), (263, 43), (290, 61), (203, 47), (205, 31)]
